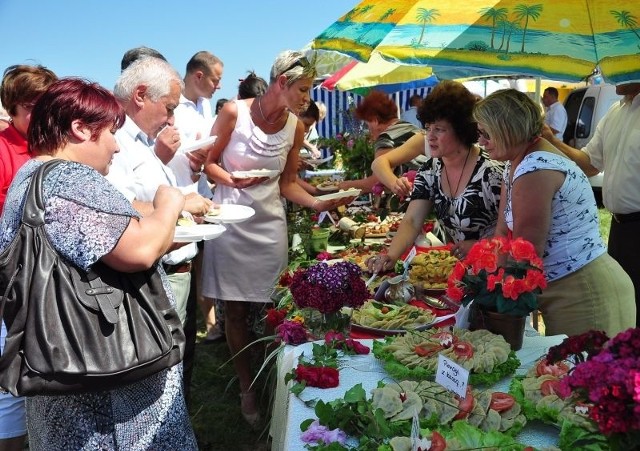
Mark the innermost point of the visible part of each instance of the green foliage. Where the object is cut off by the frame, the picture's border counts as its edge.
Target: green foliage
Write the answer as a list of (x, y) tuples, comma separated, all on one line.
[(354, 152), (355, 415), (479, 46)]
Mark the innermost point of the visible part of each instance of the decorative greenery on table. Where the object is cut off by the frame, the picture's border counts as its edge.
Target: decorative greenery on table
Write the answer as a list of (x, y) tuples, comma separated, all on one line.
[(355, 416), (353, 147)]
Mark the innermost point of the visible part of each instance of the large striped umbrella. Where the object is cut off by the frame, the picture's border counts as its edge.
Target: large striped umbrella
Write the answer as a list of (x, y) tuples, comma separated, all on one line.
[(555, 39)]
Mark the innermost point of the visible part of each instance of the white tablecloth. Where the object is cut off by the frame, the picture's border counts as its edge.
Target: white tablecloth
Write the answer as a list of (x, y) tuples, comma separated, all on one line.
[(289, 411)]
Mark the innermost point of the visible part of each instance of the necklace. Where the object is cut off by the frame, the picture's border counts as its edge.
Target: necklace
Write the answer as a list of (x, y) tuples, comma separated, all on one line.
[(446, 174), (264, 118)]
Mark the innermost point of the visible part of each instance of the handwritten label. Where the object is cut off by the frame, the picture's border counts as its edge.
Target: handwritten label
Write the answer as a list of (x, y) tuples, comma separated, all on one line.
[(452, 376), (407, 261)]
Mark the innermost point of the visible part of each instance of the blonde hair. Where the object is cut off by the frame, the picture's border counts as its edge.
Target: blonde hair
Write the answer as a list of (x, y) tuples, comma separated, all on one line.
[(294, 65), (510, 117), (322, 110)]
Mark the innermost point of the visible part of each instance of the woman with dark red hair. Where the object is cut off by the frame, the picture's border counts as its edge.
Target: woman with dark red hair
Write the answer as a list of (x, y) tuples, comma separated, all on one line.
[(87, 220)]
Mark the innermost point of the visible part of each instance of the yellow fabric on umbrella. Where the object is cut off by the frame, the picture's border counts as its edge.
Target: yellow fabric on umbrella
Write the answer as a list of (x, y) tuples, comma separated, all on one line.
[(560, 40)]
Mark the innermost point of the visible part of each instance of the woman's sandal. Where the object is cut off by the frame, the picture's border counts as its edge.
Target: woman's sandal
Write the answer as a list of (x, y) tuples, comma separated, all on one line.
[(253, 418)]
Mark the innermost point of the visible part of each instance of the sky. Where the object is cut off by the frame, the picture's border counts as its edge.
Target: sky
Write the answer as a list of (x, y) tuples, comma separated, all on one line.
[(87, 38)]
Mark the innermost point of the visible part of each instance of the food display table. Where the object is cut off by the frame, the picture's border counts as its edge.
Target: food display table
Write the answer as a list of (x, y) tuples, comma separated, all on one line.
[(290, 411)]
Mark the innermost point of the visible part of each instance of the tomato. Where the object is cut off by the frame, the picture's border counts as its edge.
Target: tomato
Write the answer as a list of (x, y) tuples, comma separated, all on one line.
[(463, 350), (384, 310), (557, 369), (551, 387), (465, 405), (501, 402), (438, 443), (427, 350), (372, 218)]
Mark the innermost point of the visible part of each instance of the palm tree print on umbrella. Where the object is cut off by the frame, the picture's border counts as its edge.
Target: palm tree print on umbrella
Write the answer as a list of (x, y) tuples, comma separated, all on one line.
[(525, 12), (425, 16), (496, 16), (627, 20)]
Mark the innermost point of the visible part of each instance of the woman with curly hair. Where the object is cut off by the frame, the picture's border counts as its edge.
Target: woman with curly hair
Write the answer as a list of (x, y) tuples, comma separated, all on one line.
[(458, 182)]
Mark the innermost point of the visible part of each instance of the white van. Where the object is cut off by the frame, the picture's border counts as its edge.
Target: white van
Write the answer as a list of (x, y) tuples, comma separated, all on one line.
[(585, 107)]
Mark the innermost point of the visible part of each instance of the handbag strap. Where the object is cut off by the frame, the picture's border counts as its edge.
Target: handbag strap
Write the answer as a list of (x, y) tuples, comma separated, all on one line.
[(32, 214), (33, 211)]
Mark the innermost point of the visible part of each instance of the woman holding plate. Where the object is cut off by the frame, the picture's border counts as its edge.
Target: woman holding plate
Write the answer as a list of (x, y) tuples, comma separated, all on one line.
[(243, 265)]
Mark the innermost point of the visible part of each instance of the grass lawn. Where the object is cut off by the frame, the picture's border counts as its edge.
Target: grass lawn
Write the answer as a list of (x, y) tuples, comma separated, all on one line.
[(215, 404)]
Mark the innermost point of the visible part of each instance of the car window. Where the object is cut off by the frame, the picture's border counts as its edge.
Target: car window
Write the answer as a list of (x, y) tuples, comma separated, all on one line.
[(572, 105), (583, 128)]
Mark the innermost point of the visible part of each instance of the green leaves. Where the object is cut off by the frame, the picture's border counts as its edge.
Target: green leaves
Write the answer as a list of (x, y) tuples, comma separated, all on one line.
[(354, 415)]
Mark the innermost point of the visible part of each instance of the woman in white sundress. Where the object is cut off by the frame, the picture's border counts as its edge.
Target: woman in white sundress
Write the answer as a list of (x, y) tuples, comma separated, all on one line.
[(243, 264)]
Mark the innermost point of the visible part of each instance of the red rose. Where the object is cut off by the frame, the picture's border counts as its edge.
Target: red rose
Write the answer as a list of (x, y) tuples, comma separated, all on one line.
[(357, 347), (318, 376), (285, 279), (275, 316)]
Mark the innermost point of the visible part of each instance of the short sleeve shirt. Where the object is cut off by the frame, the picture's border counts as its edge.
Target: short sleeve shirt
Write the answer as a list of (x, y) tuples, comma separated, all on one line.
[(574, 235), (474, 213)]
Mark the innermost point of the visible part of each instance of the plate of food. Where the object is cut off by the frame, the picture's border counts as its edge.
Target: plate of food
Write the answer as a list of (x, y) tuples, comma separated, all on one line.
[(197, 144), (328, 186), (430, 271), (390, 319), (199, 232), (229, 213), (353, 192), (317, 161), (487, 356), (255, 173)]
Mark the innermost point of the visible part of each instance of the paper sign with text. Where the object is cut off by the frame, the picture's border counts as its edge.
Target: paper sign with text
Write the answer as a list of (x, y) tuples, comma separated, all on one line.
[(452, 376), (407, 261)]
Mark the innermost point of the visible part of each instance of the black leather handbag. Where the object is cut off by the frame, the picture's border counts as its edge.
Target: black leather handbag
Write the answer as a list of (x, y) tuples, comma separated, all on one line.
[(71, 331)]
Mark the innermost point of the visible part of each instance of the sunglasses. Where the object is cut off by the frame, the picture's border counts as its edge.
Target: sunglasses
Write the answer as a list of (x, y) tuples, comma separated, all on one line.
[(302, 62), (483, 134)]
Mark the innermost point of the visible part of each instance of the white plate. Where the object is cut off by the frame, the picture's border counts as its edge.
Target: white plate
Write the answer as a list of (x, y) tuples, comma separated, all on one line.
[(318, 161), (230, 213), (198, 144), (200, 232), (255, 173), (340, 194)]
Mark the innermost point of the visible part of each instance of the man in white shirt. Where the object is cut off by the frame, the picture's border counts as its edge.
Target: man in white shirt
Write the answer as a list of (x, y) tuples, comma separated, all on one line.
[(411, 115), (193, 116), (555, 116), (149, 91), (193, 120), (615, 149)]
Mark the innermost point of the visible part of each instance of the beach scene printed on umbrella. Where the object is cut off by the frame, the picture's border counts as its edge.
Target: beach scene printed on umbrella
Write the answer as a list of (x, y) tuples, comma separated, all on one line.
[(562, 40)]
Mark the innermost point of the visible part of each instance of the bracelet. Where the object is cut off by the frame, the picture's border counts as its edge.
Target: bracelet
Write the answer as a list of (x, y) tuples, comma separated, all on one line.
[(315, 202)]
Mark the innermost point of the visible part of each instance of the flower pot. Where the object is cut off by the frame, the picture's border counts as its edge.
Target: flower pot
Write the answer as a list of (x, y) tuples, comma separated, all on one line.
[(318, 324), (319, 240), (510, 327)]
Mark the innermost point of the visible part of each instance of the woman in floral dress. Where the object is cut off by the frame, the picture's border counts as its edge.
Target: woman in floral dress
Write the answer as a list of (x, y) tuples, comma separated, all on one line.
[(86, 220)]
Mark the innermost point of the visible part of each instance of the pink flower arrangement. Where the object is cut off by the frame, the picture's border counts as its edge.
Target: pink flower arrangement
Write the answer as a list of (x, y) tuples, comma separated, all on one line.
[(609, 381)]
